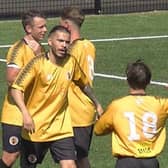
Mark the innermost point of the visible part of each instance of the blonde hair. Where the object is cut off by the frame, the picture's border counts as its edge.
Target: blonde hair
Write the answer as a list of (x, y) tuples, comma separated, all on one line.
[(74, 14)]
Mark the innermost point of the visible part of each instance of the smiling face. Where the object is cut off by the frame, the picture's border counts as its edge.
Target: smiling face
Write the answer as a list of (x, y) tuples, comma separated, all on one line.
[(37, 29), (59, 43)]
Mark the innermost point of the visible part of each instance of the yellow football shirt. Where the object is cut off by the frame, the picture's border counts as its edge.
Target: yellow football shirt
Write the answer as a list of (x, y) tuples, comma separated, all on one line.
[(18, 56), (47, 102), (81, 108), (137, 124)]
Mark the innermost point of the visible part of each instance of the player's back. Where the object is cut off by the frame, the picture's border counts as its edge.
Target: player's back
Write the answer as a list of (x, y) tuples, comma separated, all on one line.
[(138, 123), (84, 51), (80, 106)]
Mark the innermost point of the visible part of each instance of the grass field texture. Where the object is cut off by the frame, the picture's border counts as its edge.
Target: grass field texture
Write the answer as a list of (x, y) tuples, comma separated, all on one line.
[(112, 58)]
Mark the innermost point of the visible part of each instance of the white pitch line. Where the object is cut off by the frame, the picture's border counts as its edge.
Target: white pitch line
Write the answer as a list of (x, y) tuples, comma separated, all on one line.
[(131, 38), (109, 76), (116, 77), (2, 60), (124, 78), (112, 39)]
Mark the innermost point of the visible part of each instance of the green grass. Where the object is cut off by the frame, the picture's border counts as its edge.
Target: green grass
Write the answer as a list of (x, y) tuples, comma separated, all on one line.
[(112, 58)]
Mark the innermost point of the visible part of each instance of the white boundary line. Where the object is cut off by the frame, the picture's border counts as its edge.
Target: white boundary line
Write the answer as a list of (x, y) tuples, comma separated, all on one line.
[(131, 38), (2, 60), (117, 77), (124, 78), (112, 39)]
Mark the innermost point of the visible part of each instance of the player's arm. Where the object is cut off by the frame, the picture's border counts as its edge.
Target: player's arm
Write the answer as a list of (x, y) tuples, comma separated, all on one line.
[(104, 125), (11, 74), (81, 80), (23, 80), (14, 62), (18, 97), (86, 88), (89, 92)]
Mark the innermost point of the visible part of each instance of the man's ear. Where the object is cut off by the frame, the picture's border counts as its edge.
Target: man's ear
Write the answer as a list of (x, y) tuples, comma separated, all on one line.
[(67, 24), (28, 29), (49, 41)]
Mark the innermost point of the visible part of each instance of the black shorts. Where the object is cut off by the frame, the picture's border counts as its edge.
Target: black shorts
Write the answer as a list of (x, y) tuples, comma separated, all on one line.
[(130, 162), (82, 140), (11, 138), (33, 153)]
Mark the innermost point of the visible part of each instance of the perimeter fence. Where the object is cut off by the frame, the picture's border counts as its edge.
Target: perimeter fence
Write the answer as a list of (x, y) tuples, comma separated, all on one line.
[(14, 8)]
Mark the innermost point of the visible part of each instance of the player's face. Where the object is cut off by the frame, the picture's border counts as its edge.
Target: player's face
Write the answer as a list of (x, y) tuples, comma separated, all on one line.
[(59, 44), (38, 28)]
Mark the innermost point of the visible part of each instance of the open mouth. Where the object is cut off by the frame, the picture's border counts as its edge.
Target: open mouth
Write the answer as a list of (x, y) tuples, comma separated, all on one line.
[(63, 51)]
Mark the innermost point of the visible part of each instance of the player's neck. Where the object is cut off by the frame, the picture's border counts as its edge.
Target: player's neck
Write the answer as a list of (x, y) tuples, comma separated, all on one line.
[(75, 36), (29, 37), (137, 92), (54, 59)]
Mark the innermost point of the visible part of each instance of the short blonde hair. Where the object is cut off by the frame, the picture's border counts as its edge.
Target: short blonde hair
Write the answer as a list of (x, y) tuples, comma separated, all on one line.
[(74, 14)]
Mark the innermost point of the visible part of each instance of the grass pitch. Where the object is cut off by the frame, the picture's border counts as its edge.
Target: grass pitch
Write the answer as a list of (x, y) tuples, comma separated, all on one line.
[(112, 58)]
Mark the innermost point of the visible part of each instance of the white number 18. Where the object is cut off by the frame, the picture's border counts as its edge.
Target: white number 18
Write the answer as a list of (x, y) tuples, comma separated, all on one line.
[(149, 125)]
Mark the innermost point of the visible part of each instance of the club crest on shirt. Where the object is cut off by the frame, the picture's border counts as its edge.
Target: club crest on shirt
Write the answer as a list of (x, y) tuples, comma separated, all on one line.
[(32, 158), (13, 140), (139, 100)]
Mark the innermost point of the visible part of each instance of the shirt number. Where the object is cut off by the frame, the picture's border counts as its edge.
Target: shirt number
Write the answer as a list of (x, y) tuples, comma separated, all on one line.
[(149, 125), (91, 67)]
